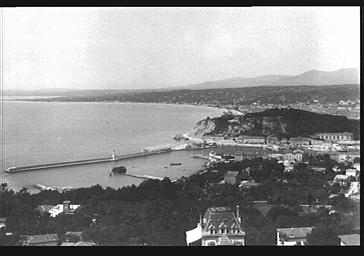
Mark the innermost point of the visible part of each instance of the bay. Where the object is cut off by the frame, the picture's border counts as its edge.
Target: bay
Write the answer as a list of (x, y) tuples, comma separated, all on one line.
[(46, 132)]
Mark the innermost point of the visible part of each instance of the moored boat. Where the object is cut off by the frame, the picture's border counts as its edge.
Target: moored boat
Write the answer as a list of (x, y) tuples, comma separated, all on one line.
[(119, 169)]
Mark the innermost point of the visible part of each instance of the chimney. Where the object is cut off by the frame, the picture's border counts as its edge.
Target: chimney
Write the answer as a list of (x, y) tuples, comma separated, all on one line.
[(66, 207), (237, 213)]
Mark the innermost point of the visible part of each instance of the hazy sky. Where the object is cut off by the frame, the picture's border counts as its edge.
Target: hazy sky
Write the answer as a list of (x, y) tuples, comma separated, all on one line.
[(157, 47)]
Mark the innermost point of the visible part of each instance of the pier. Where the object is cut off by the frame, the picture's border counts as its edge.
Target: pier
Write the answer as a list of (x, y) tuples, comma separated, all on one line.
[(147, 177), (113, 158)]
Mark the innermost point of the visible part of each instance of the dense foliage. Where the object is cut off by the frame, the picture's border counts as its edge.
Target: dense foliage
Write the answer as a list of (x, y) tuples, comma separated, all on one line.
[(323, 236)]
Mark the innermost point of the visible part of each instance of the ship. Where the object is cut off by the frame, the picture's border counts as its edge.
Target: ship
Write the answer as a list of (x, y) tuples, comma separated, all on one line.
[(119, 169)]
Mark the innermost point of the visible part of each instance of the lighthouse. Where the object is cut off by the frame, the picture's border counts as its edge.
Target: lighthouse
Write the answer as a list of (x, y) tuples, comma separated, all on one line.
[(113, 156)]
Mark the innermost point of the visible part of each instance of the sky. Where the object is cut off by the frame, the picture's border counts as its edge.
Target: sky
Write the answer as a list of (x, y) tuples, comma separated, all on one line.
[(141, 47)]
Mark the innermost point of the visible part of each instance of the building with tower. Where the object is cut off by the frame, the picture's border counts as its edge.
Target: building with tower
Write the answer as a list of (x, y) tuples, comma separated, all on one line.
[(218, 227)]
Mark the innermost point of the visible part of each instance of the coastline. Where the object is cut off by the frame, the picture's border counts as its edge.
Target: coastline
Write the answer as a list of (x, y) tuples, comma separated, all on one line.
[(46, 99), (187, 174)]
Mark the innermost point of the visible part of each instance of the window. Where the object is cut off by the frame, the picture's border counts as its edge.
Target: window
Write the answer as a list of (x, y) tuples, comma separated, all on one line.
[(211, 243)]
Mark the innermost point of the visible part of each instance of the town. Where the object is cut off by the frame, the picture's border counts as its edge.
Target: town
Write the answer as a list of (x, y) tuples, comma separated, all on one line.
[(301, 189), (154, 126)]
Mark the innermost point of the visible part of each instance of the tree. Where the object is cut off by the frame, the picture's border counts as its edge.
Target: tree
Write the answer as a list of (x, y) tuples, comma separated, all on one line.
[(322, 236)]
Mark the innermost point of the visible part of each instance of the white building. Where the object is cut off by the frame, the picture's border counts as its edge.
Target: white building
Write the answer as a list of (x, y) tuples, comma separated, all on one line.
[(219, 226), (356, 166), (293, 236), (350, 240), (351, 172), (66, 208)]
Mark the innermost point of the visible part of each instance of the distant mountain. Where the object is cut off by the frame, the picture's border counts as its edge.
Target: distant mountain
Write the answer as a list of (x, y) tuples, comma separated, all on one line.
[(312, 77)]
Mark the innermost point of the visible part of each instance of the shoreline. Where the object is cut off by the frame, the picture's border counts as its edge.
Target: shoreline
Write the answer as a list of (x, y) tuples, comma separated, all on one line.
[(51, 100)]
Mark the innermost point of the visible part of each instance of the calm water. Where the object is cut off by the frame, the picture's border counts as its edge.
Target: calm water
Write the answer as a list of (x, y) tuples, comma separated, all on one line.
[(44, 132)]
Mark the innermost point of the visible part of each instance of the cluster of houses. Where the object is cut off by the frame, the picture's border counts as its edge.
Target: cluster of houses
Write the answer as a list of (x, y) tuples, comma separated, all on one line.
[(221, 226), (70, 238), (288, 159), (318, 142), (54, 210), (350, 180)]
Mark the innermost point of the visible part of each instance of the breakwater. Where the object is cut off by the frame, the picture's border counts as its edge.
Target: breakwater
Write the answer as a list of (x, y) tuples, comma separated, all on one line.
[(83, 162), (147, 177)]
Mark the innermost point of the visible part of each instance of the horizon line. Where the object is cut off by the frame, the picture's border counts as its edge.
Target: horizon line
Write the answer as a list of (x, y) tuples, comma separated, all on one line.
[(187, 85)]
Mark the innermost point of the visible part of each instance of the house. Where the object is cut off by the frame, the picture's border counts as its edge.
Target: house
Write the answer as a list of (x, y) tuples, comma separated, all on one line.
[(245, 184), (356, 166), (42, 240), (231, 177), (65, 208), (341, 136), (350, 240), (219, 226), (299, 141), (341, 179), (320, 143), (351, 172), (293, 236)]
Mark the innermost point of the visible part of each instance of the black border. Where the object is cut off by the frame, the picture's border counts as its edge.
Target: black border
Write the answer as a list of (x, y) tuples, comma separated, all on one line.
[(175, 3), (190, 3)]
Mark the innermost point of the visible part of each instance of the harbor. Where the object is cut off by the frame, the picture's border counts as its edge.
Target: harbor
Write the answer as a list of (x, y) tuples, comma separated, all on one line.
[(114, 157)]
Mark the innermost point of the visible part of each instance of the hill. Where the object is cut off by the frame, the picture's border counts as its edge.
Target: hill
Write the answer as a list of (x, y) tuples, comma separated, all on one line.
[(278, 122), (312, 77)]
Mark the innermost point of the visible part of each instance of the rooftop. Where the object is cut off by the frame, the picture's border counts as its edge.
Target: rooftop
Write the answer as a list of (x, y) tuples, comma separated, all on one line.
[(220, 216), (81, 243), (351, 239), (301, 232), (36, 239)]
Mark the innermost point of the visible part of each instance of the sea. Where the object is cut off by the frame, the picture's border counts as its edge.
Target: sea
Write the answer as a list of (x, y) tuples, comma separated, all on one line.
[(47, 132)]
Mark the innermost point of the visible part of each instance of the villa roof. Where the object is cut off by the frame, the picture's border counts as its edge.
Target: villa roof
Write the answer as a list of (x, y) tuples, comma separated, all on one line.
[(220, 216), (301, 232)]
